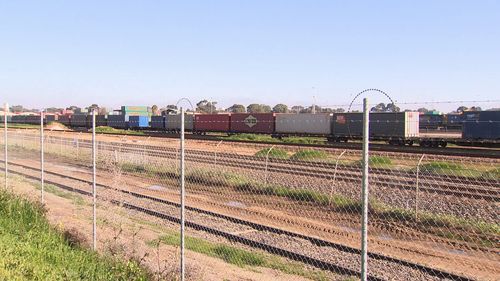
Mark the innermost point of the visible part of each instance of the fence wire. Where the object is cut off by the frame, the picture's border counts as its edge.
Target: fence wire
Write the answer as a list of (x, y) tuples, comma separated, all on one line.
[(293, 210)]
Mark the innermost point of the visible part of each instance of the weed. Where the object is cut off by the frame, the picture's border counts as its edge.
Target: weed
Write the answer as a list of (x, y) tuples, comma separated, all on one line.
[(272, 153), (309, 154)]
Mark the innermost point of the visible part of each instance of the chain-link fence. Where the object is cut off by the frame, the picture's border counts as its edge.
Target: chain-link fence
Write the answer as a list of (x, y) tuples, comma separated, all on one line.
[(264, 211)]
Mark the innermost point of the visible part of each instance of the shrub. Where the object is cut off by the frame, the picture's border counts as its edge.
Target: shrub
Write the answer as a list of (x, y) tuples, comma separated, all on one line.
[(273, 153), (309, 154)]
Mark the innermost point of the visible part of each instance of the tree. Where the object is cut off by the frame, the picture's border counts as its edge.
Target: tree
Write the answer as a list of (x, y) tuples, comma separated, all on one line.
[(154, 109), (237, 108), (475, 108), (422, 110), (379, 108), (462, 108), (317, 109), (280, 108), (258, 108), (75, 109), (169, 109), (391, 107), (53, 110), (92, 107), (206, 106), (339, 110), (17, 108), (297, 108), (102, 111)]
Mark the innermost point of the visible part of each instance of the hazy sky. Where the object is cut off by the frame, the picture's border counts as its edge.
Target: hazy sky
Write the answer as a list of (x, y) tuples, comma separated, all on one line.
[(57, 53)]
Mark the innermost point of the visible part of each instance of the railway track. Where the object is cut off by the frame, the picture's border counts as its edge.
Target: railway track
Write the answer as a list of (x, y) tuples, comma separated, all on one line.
[(478, 188), (287, 253), (449, 151)]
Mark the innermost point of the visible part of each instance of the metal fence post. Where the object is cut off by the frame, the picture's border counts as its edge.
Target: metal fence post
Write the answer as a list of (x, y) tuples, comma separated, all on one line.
[(364, 192), (94, 217), (42, 176), (417, 186), (183, 267), (335, 174), (5, 110), (267, 163), (215, 152)]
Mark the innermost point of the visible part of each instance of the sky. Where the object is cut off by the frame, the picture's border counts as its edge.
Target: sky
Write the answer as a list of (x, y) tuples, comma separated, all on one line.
[(61, 53)]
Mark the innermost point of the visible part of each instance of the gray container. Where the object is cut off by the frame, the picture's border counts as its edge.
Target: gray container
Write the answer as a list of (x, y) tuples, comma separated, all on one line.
[(18, 119), (158, 122), (117, 121), (173, 122), (382, 125), (100, 120), (481, 125), (79, 120), (304, 123), (51, 118), (65, 120)]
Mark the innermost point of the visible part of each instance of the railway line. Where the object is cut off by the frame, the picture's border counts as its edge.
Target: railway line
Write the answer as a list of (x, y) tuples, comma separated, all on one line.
[(448, 151), (381, 265), (461, 186)]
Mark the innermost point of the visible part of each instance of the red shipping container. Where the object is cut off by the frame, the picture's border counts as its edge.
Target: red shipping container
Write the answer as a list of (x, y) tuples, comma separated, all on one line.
[(252, 123), (212, 122)]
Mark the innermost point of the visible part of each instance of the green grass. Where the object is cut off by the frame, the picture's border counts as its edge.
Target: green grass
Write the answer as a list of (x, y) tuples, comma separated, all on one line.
[(309, 154), (376, 161), (77, 199), (492, 174), (268, 138), (23, 126), (441, 166), (272, 153), (110, 130), (31, 249), (239, 257)]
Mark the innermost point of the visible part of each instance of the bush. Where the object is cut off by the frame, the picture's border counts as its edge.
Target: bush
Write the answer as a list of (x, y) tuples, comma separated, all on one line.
[(441, 166)]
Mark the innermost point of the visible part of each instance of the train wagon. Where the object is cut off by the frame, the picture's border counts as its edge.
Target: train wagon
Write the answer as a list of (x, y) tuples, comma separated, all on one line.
[(212, 123), (303, 124), (33, 119), (138, 122), (481, 125), (158, 122), (401, 127), (79, 120), (173, 122), (65, 120), (260, 123), (117, 121), (51, 118), (431, 121)]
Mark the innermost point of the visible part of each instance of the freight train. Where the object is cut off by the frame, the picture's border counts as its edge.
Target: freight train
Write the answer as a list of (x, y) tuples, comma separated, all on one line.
[(441, 122), (402, 128)]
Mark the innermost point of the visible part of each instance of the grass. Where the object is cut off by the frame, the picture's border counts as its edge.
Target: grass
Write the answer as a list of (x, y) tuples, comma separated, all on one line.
[(309, 154), (268, 138), (239, 257), (33, 250), (272, 153), (376, 161), (110, 130), (77, 199), (492, 174), (23, 126)]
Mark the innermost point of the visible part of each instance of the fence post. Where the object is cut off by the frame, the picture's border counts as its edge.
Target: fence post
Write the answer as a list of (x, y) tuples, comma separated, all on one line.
[(364, 192), (417, 186), (335, 174), (267, 162), (42, 176), (5, 110), (183, 267), (215, 152), (94, 218)]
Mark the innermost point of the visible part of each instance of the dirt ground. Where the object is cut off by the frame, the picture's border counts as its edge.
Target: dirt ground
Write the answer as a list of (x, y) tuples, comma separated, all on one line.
[(118, 229)]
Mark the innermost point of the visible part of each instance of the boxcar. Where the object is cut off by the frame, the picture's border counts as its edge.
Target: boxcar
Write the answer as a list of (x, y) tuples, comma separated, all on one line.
[(303, 124), (399, 125), (117, 121), (212, 122), (51, 118), (431, 121), (173, 122), (158, 122), (79, 120), (481, 125), (252, 123), (18, 119), (138, 122), (33, 119), (65, 120)]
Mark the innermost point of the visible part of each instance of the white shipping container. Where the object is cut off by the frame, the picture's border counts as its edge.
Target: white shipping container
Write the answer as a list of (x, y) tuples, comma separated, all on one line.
[(303, 123)]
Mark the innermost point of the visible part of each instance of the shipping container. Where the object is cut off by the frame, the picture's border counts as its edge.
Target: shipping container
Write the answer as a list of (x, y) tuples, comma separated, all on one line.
[(79, 120), (382, 125), (9, 119), (303, 123), (481, 125), (158, 122), (252, 123), (33, 119), (212, 122), (138, 122), (431, 121), (117, 121), (173, 122)]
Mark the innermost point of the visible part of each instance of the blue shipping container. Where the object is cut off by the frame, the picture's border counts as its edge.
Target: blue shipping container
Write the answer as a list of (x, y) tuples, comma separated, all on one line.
[(138, 121), (482, 125)]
